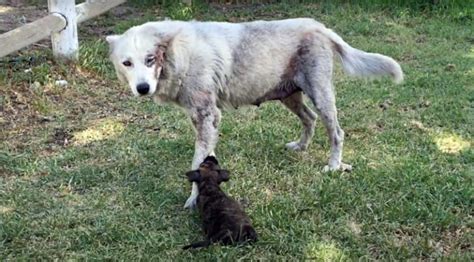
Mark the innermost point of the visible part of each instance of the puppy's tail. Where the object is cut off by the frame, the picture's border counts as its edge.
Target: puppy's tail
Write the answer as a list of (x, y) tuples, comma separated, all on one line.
[(359, 63), (199, 244)]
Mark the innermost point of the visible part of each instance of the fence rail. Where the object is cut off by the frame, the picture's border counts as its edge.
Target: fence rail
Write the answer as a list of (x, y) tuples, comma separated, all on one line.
[(61, 24), (30, 33)]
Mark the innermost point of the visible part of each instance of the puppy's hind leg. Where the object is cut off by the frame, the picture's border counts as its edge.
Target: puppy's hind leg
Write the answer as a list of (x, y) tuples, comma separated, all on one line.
[(199, 244), (248, 234), (296, 105), (224, 237)]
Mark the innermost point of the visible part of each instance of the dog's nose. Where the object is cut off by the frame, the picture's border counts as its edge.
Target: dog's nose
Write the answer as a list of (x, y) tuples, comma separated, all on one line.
[(143, 88)]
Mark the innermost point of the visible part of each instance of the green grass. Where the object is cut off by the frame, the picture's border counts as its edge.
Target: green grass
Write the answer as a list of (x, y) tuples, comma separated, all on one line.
[(89, 172)]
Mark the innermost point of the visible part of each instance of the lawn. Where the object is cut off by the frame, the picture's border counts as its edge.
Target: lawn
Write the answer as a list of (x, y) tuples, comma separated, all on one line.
[(89, 172)]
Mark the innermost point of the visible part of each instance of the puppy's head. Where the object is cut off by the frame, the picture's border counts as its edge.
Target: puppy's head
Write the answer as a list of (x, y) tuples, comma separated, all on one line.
[(139, 55), (209, 172)]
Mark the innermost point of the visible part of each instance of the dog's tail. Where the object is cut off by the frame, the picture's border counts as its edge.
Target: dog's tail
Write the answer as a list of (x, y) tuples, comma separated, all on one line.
[(199, 244), (359, 63)]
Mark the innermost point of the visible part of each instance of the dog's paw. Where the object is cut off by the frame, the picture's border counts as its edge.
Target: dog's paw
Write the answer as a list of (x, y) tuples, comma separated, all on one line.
[(295, 146), (342, 167), (191, 202)]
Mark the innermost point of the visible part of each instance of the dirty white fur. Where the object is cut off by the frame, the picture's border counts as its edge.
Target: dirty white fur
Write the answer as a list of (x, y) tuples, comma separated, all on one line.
[(209, 66)]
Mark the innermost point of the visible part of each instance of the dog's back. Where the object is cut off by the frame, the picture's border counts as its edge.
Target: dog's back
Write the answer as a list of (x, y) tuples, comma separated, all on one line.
[(224, 220)]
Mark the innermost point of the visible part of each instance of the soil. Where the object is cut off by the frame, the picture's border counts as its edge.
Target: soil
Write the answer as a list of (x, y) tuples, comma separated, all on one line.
[(15, 13)]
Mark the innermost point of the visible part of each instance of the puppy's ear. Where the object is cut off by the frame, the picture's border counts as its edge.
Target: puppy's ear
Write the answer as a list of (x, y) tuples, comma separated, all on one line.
[(194, 176), (212, 159), (223, 175)]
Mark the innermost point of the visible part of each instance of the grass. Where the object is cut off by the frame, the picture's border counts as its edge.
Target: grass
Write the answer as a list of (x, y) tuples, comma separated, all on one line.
[(88, 172)]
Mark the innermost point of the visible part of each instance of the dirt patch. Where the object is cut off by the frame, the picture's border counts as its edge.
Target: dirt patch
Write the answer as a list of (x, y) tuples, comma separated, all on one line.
[(455, 239), (61, 137), (15, 13), (38, 114), (103, 25), (449, 241)]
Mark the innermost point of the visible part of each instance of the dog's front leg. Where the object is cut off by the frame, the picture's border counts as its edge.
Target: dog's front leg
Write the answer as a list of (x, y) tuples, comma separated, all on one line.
[(205, 120)]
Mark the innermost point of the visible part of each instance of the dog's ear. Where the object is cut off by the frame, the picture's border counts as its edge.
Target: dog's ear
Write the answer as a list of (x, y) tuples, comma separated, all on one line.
[(165, 40), (223, 175), (111, 39), (212, 159), (194, 176)]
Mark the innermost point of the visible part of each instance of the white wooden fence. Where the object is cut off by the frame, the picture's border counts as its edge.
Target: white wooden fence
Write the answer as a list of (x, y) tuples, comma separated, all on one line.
[(60, 24)]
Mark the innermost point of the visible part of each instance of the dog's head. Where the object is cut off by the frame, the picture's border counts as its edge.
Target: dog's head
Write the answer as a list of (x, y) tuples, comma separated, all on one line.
[(140, 54), (209, 172)]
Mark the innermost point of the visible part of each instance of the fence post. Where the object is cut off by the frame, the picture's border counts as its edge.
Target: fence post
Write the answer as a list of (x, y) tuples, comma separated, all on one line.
[(65, 43)]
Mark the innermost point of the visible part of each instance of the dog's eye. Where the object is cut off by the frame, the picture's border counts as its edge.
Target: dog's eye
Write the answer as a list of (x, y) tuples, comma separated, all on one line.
[(149, 61), (127, 63)]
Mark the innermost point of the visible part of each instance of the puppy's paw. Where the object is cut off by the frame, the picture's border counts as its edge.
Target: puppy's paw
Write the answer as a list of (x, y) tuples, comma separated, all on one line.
[(295, 146), (342, 167), (191, 202)]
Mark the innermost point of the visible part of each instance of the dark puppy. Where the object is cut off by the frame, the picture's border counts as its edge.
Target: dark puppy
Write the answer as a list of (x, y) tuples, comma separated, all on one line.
[(223, 219)]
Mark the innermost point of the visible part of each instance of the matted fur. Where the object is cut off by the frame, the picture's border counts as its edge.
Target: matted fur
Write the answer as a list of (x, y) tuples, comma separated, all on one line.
[(206, 66)]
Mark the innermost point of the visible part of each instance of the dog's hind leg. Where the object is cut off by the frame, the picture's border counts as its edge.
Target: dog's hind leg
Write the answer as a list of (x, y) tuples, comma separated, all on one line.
[(296, 105), (314, 78)]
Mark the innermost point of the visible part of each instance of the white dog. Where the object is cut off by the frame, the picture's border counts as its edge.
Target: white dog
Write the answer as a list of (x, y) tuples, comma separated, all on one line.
[(206, 66)]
